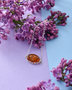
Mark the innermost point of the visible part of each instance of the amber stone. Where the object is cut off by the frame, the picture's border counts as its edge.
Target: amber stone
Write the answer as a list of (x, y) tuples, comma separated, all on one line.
[(33, 58)]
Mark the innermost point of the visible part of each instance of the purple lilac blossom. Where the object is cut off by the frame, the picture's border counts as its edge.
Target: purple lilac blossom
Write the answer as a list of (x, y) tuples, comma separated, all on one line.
[(58, 18), (11, 15), (37, 5), (63, 72), (44, 86)]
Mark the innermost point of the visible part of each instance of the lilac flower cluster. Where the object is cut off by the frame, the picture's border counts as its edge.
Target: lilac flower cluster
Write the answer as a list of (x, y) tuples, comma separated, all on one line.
[(49, 25), (4, 31), (11, 14), (37, 5), (3, 34), (44, 86), (13, 11), (63, 72), (9, 10), (27, 30), (58, 18)]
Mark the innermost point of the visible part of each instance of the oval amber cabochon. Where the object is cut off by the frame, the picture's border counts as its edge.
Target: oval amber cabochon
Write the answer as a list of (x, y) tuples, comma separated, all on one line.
[(33, 58)]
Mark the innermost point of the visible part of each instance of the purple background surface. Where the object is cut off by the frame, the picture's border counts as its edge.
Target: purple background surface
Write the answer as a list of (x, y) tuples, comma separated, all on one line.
[(16, 73)]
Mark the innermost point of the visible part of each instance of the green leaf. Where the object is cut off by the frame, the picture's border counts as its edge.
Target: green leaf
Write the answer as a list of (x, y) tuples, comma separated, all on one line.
[(12, 12), (18, 22), (37, 22)]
